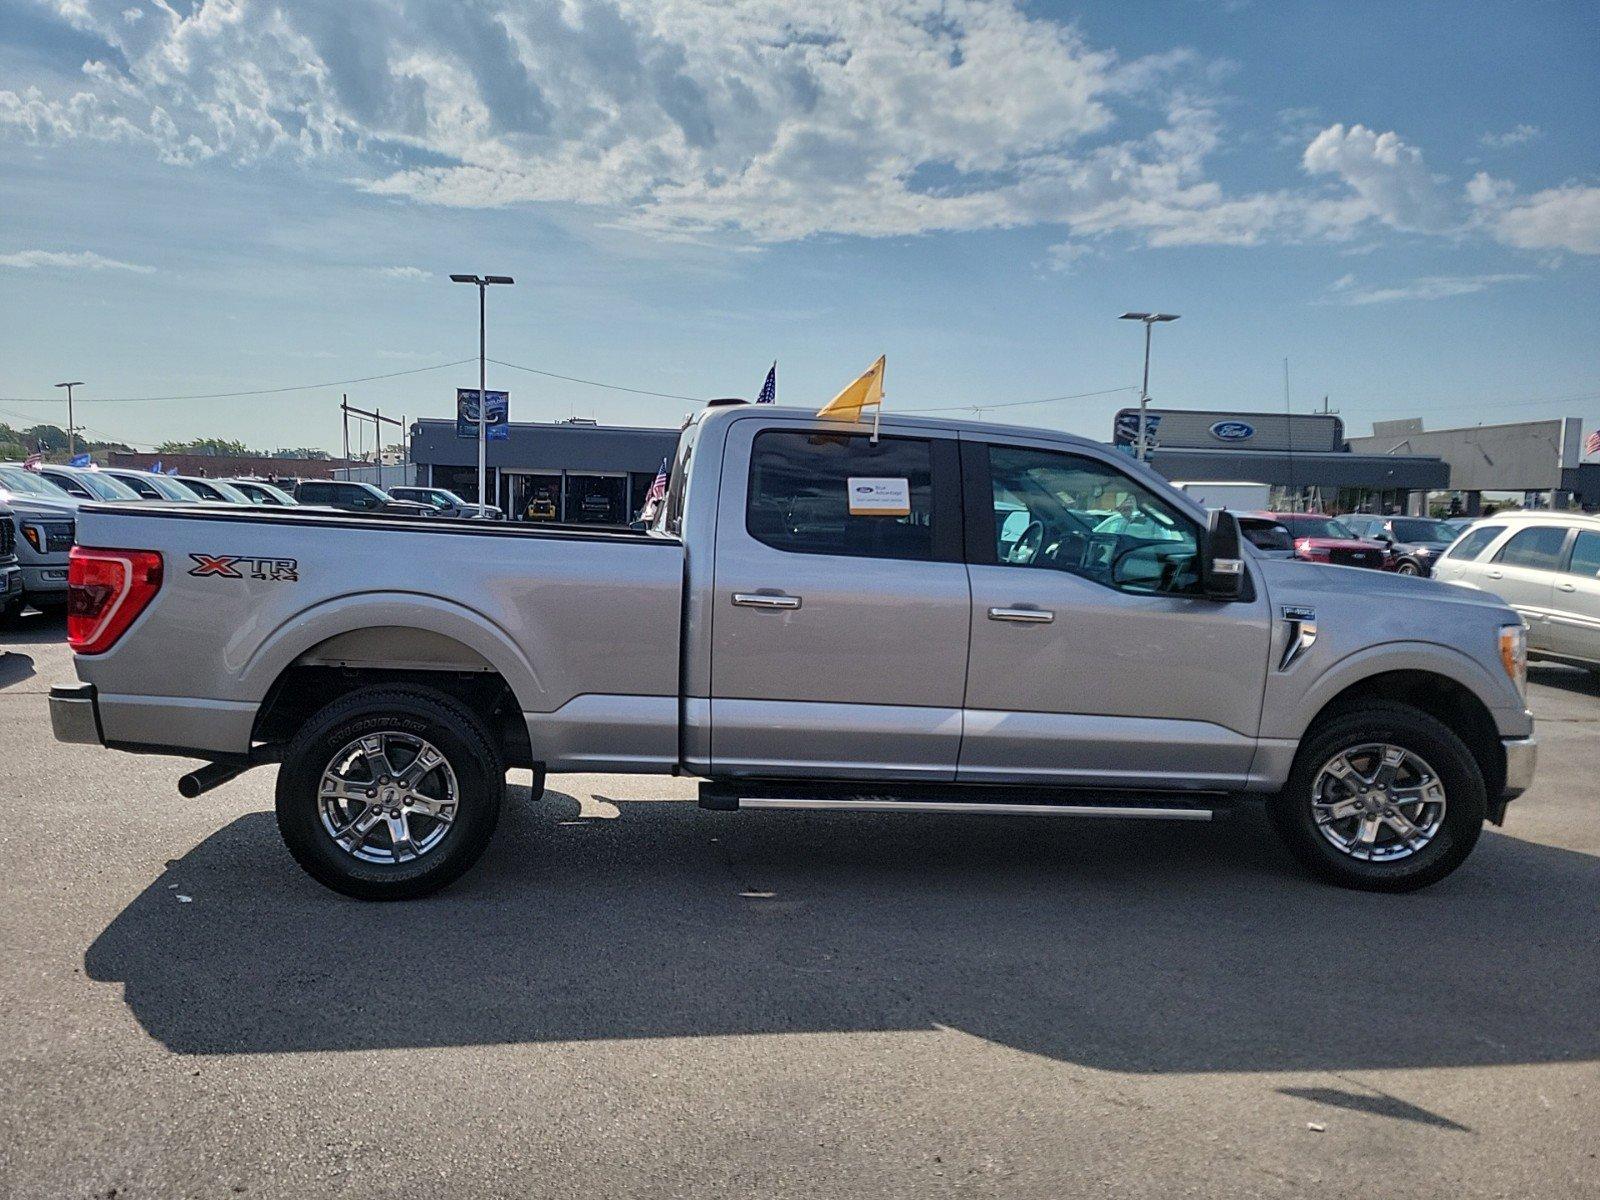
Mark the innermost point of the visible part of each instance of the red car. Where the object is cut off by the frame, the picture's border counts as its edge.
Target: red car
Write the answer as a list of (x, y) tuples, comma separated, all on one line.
[(1321, 538)]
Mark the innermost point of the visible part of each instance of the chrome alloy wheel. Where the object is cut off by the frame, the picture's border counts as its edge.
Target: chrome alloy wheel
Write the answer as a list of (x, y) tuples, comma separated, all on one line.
[(1377, 802), (388, 797)]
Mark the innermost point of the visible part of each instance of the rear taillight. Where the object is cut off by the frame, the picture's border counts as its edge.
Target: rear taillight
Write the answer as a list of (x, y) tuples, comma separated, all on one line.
[(106, 592)]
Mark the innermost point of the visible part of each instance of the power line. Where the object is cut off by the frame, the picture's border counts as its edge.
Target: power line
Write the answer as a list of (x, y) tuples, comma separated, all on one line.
[(1019, 403), (610, 387), (272, 391)]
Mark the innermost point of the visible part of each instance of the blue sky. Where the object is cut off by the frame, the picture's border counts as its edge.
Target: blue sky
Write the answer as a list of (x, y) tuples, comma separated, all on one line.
[(1403, 200)]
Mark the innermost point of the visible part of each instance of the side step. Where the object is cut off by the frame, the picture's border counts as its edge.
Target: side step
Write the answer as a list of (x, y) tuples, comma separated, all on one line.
[(962, 798)]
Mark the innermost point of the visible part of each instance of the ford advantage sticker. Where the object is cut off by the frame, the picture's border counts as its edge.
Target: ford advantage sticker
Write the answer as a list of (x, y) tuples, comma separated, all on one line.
[(1233, 431), (879, 497)]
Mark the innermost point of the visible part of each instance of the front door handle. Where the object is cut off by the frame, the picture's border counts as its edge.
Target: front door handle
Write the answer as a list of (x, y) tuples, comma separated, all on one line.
[(763, 600), (1566, 587), (1036, 616), (1496, 574)]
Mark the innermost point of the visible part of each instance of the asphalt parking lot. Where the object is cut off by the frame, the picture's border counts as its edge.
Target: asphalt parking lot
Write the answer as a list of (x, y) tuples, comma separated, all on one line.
[(632, 997)]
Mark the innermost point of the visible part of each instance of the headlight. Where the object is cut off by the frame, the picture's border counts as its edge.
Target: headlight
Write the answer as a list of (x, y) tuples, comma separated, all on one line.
[(1423, 551), (35, 537), (1514, 654)]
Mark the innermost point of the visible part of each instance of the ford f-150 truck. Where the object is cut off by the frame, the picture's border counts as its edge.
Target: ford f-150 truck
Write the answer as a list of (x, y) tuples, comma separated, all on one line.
[(949, 617)]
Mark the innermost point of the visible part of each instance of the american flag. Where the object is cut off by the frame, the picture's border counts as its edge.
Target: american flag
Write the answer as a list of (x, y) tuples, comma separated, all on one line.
[(1592, 444), (769, 389), (31, 463), (656, 494)]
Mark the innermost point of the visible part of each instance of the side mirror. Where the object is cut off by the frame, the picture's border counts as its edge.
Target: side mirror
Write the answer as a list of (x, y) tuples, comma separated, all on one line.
[(1222, 560)]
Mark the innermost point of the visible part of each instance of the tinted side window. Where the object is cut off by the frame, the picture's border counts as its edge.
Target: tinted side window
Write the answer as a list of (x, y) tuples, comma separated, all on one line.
[(803, 499), (1063, 512), (1586, 554), (1472, 544), (1539, 548), (314, 493)]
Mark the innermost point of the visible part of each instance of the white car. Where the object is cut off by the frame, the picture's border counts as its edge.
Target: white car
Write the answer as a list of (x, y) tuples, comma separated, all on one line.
[(1546, 566)]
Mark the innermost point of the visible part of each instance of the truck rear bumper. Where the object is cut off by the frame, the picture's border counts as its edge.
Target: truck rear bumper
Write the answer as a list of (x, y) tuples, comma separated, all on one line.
[(74, 714)]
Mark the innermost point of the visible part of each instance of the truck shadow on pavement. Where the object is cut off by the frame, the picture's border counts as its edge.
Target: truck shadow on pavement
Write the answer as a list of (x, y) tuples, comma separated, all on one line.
[(1126, 946)]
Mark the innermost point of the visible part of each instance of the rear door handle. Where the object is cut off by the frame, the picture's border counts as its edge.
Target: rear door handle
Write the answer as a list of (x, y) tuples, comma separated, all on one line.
[(1496, 574), (1036, 616), (762, 600), (1566, 587)]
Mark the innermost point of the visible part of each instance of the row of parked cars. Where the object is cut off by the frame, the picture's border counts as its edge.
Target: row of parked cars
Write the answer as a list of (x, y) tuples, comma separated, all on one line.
[(1546, 565), (39, 505)]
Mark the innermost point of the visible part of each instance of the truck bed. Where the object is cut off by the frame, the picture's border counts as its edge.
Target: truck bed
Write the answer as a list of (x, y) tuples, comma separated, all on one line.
[(252, 598)]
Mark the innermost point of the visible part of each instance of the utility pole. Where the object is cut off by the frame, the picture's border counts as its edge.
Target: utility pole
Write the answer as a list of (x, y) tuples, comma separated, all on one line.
[(1142, 449), (72, 430), (344, 411), (482, 283)]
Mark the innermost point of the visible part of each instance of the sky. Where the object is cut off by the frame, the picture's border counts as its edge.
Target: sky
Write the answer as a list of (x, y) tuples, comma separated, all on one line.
[(1401, 200)]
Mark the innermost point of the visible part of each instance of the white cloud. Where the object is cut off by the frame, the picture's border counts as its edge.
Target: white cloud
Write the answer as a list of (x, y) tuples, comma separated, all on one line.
[(408, 273), (1386, 175), (80, 260), (1511, 137), (1429, 287), (1563, 218)]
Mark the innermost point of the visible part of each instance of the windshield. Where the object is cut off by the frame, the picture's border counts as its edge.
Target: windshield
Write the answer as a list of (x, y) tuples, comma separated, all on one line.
[(1312, 525), (104, 487), (26, 483), (169, 489), (215, 489), (266, 490), (1419, 530)]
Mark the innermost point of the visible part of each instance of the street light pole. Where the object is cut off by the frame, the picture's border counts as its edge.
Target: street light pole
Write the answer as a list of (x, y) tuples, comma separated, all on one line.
[(1142, 447), (482, 282), (72, 445)]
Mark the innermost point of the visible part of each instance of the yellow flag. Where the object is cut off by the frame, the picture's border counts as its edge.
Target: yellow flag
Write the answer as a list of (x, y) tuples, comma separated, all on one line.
[(868, 389)]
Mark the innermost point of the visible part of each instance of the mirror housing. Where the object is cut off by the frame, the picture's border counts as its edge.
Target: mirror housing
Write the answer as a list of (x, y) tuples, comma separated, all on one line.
[(1222, 560)]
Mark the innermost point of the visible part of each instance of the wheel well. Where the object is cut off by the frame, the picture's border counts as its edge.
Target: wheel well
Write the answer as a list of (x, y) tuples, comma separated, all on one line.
[(305, 688), (1444, 699)]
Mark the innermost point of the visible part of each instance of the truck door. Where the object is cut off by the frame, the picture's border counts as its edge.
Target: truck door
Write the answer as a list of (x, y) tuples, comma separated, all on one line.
[(839, 615), (1094, 658)]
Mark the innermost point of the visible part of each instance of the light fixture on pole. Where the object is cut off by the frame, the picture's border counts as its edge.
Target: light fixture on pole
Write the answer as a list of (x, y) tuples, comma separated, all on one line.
[(482, 282), (1142, 447), (71, 428)]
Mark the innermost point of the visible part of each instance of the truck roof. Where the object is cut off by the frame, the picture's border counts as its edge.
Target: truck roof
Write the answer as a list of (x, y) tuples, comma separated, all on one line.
[(898, 422)]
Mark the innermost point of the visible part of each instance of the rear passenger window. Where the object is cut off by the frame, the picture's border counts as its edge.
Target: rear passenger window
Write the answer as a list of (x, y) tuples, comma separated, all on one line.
[(1538, 548), (1586, 554), (313, 493), (801, 494), (1472, 543)]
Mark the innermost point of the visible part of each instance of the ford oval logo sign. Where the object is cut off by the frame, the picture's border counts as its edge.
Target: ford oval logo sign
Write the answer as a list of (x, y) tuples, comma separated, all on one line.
[(1233, 431)]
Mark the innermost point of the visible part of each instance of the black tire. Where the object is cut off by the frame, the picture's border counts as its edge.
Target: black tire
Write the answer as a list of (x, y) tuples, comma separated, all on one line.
[(1409, 566), (458, 733), (1411, 729)]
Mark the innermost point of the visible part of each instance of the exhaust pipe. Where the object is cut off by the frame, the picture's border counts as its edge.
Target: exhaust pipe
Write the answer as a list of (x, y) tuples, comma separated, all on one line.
[(212, 775)]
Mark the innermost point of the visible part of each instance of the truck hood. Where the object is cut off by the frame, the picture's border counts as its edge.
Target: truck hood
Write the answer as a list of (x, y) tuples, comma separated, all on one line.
[(37, 506), (1295, 581)]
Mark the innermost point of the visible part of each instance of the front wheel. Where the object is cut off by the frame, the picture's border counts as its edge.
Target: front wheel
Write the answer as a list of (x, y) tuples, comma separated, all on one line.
[(1407, 567), (391, 793), (1386, 799)]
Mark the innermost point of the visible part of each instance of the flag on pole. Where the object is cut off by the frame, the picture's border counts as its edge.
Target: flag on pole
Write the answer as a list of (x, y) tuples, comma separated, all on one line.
[(31, 463), (80, 460), (866, 390), (1592, 445), (656, 494), (769, 389), (155, 467)]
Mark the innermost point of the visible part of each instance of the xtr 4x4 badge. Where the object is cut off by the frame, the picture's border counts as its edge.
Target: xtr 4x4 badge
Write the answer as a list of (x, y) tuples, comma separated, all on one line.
[(243, 566)]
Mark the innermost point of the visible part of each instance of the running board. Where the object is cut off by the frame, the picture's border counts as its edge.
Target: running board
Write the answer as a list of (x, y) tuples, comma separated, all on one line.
[(994, 800)]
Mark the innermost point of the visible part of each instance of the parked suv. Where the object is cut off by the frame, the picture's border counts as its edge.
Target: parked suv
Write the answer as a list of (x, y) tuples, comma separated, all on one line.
[(1414, 543), (447, 504), (10, 572), (152, 486), (259, 491), (46, 526), (1321, 538), (1547, 567), (213, 491), (84, 483), (355, 497)]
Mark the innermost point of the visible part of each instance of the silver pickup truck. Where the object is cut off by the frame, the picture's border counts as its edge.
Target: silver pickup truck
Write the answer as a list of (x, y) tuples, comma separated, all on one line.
[(951, 617)]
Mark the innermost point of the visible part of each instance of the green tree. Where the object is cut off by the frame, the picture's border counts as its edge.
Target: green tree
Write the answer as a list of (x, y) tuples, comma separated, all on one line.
[(219, 447)]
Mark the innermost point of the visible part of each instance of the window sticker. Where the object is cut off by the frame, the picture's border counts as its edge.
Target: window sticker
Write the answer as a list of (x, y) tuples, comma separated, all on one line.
[(879, 497)]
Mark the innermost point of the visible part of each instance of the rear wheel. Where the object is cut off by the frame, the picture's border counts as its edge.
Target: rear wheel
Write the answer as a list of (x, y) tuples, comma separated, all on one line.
[(1407, 567), (1387, 799), (390, 794)]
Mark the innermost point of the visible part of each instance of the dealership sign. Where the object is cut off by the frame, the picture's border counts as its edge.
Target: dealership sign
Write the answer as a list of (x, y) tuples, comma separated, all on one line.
[(1233, 431), (1125, 434), (494, 415)]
